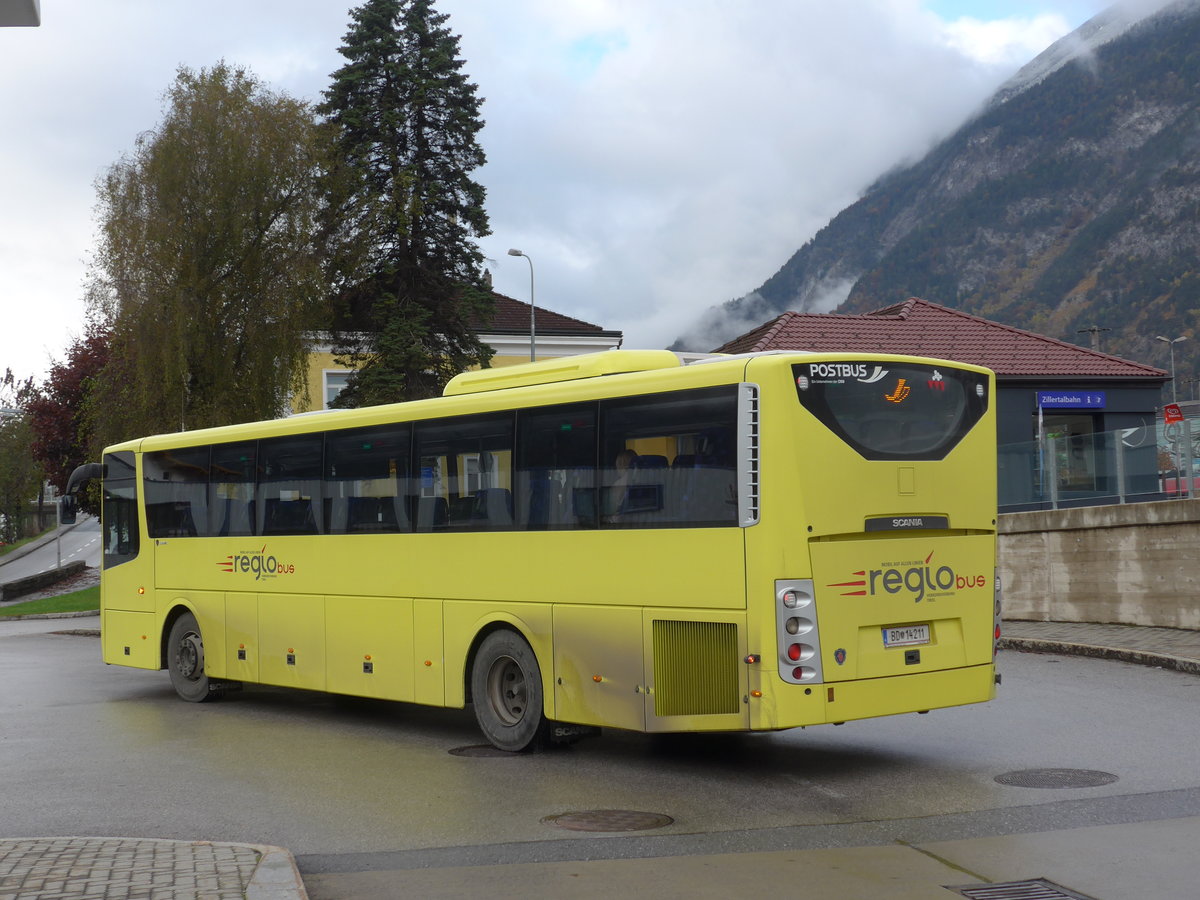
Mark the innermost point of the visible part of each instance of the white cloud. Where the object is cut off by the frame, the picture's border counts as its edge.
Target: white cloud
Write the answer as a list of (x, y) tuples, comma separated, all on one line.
[(653, 159), (1004, 42)]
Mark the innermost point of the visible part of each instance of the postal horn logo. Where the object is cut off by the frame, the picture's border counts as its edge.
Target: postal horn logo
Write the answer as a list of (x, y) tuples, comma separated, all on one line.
[(919, 579), (257, 563)]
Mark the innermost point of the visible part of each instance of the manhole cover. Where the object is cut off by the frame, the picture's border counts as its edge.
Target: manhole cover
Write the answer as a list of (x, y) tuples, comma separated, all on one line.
[(608, 820), (483, 751), (1056, 778), (1037, 889)]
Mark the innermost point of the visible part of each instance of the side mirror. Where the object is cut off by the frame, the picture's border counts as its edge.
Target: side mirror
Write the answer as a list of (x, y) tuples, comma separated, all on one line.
[(66, 509)]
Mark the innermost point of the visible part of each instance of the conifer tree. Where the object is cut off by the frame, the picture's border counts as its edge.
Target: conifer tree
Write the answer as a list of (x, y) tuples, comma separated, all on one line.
[(405, 123)]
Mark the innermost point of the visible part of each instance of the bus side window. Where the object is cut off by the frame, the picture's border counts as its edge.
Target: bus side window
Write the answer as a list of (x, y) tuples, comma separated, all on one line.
[(176, 486), (465, 469), (556, 468), (670, 459), (367, 480), (231, 489), (289, 485)]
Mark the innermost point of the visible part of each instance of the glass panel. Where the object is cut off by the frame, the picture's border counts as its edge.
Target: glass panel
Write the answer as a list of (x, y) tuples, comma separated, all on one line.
[(289, 485), (231, 489), (119, 514), (367, 480), (465, 473), (176, 485), (556, 468), (893, 410), (335, 383), (670, 459)]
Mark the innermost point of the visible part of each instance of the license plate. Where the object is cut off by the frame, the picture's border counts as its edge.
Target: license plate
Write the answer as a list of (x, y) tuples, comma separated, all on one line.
[(906, 635)]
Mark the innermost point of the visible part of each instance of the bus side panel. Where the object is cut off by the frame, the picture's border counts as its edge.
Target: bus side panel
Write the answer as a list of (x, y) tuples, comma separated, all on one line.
[(243, 651), (291, 629), (697, 678), (429, 660), (130, 639), (464, 620), (369, 647), (598, 672)]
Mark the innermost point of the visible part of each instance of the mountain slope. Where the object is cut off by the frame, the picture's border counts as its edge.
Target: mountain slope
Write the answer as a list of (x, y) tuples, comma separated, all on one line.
[(1071, 200)]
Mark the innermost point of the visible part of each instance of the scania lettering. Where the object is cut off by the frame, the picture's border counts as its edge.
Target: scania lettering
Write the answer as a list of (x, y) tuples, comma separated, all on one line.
[(768, 524)]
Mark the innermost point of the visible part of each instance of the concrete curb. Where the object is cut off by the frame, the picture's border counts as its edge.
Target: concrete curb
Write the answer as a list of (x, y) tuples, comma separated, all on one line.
[(1138, 657), (82, 614), (276, 877)]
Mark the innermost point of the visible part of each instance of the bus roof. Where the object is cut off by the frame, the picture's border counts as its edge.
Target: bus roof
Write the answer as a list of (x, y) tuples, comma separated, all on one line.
[(565, 368)]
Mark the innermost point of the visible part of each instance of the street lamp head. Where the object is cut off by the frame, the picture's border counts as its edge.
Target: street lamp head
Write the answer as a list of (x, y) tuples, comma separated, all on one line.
[(515, 253), (1182, 337)]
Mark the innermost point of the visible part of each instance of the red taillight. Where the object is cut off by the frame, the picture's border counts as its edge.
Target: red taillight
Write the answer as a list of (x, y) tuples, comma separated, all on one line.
[(793, 652)]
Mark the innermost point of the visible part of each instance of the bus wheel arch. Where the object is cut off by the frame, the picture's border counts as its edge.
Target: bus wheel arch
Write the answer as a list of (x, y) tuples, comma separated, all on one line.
[(183, 654), (506, 690)]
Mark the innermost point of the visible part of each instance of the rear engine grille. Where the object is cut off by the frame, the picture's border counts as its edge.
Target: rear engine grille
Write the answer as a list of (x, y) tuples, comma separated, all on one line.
[(695, 668)]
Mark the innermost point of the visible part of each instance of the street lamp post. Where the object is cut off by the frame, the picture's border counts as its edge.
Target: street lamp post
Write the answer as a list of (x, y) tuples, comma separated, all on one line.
[(1170, 342), (532, 307)]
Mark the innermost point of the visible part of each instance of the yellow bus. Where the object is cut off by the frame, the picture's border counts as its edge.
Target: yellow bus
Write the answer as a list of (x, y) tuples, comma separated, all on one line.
[(620, 540)]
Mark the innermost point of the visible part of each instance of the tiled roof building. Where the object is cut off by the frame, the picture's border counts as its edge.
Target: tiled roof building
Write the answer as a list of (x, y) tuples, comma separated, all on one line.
[(1043, 387), (922, 328), (512, 317)]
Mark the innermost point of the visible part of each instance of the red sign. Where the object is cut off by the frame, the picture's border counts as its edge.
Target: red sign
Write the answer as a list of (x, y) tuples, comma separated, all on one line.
[(1172, 413)]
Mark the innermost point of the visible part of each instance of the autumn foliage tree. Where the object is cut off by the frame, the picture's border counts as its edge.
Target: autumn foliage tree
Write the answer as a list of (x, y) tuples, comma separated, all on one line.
[(60, 414)]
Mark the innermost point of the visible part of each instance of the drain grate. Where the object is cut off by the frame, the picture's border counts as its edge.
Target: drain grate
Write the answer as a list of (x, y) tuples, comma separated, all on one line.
[(1037, 889), (1056, 778), (483, 751), (608, 820)]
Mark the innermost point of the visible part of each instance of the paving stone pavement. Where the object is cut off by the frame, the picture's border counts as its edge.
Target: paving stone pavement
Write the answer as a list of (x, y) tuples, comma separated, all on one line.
[(79, 868), (1170, 648)]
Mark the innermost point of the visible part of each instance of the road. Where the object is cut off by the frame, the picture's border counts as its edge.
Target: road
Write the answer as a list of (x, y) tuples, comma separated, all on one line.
[(357, 787), (80, 542)]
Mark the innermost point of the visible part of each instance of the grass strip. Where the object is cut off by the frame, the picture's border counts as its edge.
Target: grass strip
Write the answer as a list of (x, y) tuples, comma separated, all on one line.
[(76, 601)]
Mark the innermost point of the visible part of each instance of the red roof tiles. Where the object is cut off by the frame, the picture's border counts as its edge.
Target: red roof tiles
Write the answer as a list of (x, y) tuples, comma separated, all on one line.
[(922, 328), (512, 317)]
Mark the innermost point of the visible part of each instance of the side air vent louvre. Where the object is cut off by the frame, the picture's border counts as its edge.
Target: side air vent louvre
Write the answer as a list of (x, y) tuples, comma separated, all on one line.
[(748, 462), (695, 668)]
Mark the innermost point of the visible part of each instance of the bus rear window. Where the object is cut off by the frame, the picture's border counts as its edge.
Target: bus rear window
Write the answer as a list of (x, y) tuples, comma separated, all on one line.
[(902, 411)]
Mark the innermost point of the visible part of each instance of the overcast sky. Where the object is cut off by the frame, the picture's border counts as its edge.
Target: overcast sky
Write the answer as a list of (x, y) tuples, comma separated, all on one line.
[(652, 157)]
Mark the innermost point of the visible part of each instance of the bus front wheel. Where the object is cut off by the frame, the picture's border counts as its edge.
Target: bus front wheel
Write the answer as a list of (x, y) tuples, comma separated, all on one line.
[(185, 660), (506, 690)]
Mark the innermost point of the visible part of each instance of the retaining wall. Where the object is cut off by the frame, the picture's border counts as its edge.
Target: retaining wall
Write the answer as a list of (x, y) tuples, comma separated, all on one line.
[(1137, 564)]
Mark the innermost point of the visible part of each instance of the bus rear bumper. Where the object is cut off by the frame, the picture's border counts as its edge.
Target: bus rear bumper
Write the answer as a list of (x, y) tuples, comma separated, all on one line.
[(868, 698)]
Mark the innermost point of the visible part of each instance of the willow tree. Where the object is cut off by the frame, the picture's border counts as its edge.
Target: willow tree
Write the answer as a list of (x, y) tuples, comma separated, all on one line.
[(406, 123), (208, 268)]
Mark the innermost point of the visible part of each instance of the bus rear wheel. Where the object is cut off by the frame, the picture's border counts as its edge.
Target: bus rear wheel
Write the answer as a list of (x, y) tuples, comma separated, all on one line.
[(185, 660), (506, 690)]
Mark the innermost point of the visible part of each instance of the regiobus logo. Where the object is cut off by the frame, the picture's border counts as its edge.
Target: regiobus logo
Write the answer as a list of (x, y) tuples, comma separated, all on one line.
[(257, 563), (922, 579)]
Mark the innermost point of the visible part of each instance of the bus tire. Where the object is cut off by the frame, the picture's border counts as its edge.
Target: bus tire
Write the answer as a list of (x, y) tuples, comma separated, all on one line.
[(506, 691), (185, 660)]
